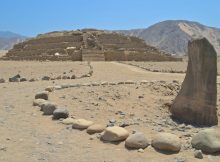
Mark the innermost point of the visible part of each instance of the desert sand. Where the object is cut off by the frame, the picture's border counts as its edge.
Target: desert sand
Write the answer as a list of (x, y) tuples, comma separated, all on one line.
[(27, 135), (165, 66)]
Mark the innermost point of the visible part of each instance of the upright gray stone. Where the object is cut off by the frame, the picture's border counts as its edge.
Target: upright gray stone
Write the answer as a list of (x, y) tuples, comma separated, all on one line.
[(196, 101)]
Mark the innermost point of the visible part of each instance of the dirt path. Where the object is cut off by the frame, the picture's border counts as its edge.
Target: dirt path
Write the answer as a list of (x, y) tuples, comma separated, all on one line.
[(113, 71)]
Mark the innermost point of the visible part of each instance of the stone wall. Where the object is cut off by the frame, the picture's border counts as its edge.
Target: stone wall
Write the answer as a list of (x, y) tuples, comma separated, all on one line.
[(137, 56), (93, 55)]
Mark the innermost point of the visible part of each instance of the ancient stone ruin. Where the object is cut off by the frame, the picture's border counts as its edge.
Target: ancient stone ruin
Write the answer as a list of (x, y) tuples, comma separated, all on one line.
[(86, 45), (196, 101)]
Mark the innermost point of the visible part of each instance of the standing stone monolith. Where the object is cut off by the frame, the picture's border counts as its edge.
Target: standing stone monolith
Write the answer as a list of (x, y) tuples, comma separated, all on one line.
[(196, 101)]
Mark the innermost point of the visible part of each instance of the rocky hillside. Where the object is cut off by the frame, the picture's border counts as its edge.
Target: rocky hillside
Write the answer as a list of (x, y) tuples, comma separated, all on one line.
[(173, 35), (9, 39), (86, 45)]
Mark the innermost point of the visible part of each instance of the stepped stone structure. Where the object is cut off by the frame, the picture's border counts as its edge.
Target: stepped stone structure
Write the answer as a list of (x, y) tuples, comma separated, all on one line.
[(86, 45), (196, 101)]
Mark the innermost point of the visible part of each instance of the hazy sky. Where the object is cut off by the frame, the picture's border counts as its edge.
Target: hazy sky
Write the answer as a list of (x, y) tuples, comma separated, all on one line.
[(31, 17)]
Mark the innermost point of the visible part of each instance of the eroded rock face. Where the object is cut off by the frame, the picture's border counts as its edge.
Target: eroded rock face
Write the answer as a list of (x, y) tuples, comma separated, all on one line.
[(196, 101)]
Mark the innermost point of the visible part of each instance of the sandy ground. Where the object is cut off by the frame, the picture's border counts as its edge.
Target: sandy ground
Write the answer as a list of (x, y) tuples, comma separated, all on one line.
[(28, 136), (167, 67), (37, 70)]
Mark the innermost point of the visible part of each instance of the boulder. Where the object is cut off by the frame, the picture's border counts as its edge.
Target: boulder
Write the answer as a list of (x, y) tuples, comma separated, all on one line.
[(207, 140), (2, 80), (137, 141), (144, 82), (48, 108), (73, 77), (65, 86), (95, 128), (86, 75), (58, 87), (112, 83), (198, 154), (59, 77), (140, 150), (104, 83), (196, 101), (42, 95), (86, 84), (49, 89), (95, 84), (68, 121), (75, 85), (120, 83), (39, 102), (115, 134), (23, 80), (45, 78), (15, 78), (65, 77), (81, 124), (129, 82), (166, 142), (32, 80), (60, 113)]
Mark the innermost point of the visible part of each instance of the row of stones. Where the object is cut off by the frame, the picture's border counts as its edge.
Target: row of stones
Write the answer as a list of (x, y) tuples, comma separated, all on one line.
[(18, 78), (136, 140), (104, 83)]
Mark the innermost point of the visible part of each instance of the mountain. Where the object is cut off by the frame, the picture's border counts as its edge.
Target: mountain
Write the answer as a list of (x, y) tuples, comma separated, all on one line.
[(9, 39), (172, 36)]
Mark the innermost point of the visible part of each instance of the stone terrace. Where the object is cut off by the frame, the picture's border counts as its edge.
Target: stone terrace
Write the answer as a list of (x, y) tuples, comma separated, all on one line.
[(86, 45)]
